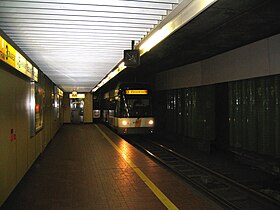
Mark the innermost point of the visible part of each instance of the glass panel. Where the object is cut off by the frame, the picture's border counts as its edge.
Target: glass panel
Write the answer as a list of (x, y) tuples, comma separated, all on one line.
[(254, 115), (39, 107), (138, 106)]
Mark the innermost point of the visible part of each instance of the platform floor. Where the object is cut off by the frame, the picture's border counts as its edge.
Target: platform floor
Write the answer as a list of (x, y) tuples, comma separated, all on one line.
[(83, 169)]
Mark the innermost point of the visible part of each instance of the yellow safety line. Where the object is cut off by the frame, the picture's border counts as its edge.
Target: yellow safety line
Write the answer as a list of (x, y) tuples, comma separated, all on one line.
[(145, 179)]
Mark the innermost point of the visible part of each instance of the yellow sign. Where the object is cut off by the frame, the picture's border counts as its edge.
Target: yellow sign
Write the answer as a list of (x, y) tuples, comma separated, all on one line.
[(79, 95), (60, 92), (136, 92), (74, 93), (9, 55), (35, 74)]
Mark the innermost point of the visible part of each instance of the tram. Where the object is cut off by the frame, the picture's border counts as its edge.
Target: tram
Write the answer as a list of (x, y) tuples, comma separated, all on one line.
[(128, 109)]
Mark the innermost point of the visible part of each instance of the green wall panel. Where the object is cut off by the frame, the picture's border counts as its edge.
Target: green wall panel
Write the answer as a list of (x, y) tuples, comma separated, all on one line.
[(254, 115)]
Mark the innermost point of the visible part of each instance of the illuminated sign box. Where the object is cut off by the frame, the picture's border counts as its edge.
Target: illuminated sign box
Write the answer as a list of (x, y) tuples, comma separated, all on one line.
[(9, 55), (136, 92), (79, 95), (60, 92)]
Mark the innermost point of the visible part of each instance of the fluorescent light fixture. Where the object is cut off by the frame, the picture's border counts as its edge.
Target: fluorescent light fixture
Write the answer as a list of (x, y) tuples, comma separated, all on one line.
[(157, 37), (181, 15), (164, 29), (94, 89), (111, 75), (121, 66), (105, 80)]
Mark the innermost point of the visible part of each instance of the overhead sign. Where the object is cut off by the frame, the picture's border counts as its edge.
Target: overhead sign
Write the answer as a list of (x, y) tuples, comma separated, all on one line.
[(79, 95), (136, 92), (9, 55), (131, 58), (60, 92), (74, 93)]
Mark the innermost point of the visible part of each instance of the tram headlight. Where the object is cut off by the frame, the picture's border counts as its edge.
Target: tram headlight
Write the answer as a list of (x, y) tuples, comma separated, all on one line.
[(124, 122), (151, 122)]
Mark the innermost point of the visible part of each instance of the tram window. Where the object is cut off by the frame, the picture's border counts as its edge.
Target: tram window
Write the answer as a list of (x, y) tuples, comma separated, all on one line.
[(139, 106), (111, 103), (123, 111)]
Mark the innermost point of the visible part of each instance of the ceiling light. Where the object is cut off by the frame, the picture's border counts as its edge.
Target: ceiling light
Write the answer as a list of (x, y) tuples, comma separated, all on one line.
[(180, 16)]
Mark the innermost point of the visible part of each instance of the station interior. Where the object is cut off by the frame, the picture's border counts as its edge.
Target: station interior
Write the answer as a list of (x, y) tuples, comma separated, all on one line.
[(86, 86)]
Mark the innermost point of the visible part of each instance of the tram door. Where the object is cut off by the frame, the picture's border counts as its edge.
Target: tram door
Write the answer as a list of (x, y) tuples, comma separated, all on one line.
[(77, 110)]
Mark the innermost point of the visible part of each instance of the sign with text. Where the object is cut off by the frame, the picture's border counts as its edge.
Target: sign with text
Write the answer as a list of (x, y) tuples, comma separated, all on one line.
[(9, 55), (136, 92), (79, 95)]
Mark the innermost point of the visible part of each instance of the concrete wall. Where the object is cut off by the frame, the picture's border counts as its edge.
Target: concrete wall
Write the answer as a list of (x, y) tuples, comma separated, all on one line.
[(88, 108), (17, 154), (66, 108), (254, 60)]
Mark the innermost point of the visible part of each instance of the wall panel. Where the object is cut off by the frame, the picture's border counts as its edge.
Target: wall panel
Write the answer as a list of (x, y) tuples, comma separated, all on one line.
[(21, 128), (254, 60), (274, 54), (8, 150), (254, 115), (18, 152), (245, 62), (66, 109), (31, 150), (88, 108), (38, 144)]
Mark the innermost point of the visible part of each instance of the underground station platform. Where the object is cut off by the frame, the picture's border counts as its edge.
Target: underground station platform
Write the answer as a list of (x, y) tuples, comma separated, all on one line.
[(88, 166)]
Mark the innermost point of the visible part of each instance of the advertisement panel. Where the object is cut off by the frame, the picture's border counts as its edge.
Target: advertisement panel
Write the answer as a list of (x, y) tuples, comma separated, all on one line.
[(9, 55)]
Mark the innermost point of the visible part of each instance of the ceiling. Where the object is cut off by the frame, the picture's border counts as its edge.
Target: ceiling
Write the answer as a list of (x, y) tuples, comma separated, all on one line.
[(76, 43), (226, 25)]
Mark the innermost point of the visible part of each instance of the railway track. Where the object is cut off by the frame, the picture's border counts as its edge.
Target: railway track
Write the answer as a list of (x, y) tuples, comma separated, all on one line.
[(229, 193)]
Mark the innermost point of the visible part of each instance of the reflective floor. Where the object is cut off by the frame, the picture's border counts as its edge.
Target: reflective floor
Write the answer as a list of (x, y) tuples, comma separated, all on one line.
[(82, 169)]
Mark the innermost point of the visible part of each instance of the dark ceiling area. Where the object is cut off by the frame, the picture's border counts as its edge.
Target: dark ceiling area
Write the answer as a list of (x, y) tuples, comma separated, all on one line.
[(226, 25)]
